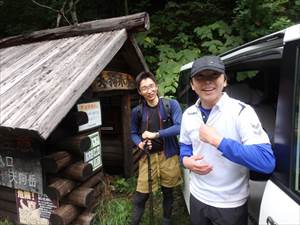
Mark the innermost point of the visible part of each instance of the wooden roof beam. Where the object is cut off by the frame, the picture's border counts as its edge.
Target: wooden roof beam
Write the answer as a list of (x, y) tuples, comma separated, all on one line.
[(133, 23)]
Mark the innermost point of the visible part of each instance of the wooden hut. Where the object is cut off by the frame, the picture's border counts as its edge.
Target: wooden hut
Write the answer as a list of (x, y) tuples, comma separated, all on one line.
[(65, 101)]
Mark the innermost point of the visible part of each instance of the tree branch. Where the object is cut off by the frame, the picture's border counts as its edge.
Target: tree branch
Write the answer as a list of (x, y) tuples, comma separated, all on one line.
[(44, 6)]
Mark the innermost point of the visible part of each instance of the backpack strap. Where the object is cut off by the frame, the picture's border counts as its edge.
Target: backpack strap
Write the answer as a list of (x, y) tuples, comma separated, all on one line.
[(167, 108), (139, 115)]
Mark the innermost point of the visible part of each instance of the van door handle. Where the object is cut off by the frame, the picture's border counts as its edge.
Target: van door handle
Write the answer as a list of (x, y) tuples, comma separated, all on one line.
[(270, 221)]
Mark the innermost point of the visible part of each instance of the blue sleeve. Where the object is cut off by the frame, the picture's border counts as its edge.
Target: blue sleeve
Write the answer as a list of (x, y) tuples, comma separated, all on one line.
[(134, 127), (176, 114), (185, 150), (257, 157)]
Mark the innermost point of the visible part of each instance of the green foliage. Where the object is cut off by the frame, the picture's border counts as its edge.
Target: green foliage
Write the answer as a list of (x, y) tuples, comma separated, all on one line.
[(181, 31), (114, 211), (256, 18), (117, 209), (171, 42), (121, 185), (217, 37), (246, 74), (169, 65), (5, 222)]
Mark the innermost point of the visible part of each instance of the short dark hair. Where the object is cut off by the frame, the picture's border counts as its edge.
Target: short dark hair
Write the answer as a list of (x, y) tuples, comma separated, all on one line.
[(144, 75)]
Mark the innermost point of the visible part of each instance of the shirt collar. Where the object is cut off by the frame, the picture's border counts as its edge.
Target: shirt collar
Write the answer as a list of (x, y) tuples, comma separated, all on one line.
[(220, 104)]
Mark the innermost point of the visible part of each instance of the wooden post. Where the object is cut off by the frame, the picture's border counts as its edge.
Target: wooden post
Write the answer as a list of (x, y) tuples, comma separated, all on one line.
[(59, 188), (55, 162), (7, 194), (64, 215), (127, 154), (79, 171)]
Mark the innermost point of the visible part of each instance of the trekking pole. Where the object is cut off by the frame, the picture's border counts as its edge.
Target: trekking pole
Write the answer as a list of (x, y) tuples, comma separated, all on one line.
[(151, 214)]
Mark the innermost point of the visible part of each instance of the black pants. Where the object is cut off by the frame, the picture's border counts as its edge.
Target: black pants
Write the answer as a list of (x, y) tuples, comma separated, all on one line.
[(139, 201), (202, 214)]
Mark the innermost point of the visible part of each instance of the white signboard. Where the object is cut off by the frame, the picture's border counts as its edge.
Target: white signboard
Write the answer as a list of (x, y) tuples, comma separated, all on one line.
[(93, 110), (34, 208), (88, 155), (93, 155), (96, 162), (95, 139)]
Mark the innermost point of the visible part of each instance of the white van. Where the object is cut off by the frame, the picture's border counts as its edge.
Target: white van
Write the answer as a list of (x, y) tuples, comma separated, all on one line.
[(265, 73)]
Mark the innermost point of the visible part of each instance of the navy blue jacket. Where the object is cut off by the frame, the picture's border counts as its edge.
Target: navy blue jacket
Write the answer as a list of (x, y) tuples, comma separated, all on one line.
[(170, 146)]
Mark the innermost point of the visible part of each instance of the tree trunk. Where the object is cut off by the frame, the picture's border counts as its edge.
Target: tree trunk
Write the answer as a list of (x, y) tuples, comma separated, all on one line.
[(133, 23)]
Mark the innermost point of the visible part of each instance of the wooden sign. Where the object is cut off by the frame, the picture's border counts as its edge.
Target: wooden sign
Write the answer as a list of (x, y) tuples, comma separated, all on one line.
[(21, 173), (20, 166), (111, 80), (33, 208), (93, 111)]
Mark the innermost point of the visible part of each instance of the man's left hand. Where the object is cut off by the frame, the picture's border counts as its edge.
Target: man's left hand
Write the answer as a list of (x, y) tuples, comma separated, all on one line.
[(149, 135)]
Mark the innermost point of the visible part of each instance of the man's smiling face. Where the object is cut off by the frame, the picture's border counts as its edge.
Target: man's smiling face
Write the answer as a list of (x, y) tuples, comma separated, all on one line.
[(209, 86)]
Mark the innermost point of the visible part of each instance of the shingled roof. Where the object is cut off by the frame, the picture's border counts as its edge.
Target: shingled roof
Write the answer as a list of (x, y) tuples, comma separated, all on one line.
[(43, 74)]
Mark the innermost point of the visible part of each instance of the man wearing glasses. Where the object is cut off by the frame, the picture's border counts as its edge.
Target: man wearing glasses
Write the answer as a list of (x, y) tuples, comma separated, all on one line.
[(221, 139), (150, 126)]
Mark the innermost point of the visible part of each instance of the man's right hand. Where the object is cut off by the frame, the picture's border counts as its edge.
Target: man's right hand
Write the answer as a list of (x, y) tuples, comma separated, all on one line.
[(141, 145), (194, 164)]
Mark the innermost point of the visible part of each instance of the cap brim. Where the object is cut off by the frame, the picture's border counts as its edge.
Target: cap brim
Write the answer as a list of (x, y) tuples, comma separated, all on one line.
[(207, 68)]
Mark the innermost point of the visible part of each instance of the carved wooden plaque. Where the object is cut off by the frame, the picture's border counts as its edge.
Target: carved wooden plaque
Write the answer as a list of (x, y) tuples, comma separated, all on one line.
[(110, 80)]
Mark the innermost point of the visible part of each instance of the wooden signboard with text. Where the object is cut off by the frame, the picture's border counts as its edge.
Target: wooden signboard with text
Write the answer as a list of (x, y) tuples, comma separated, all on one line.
[(20, 166)]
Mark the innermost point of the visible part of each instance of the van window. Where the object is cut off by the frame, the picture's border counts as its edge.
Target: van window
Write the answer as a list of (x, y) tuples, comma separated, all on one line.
[(259, 88), (296, 169)]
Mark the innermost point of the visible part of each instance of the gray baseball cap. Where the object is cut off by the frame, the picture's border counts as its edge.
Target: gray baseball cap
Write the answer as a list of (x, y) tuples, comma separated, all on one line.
[(208, 63)]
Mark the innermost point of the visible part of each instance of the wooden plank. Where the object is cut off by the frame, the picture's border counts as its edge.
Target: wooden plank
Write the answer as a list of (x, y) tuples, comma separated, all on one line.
[(83, 81), (134, 22), (12, 55), (9, 215), (29, 88), (25, 60), (8, 206), (7, 194)]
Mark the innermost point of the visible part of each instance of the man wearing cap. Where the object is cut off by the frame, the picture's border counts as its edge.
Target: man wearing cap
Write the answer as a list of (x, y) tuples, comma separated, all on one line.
[(221, 139)]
